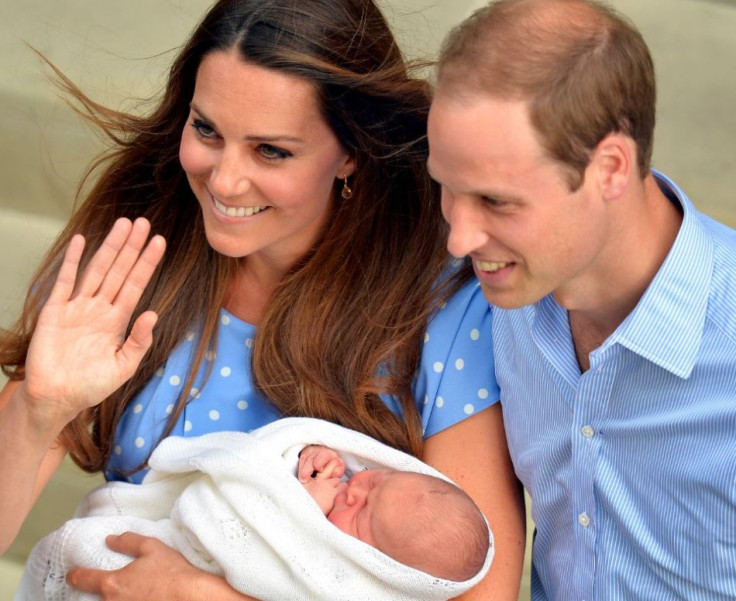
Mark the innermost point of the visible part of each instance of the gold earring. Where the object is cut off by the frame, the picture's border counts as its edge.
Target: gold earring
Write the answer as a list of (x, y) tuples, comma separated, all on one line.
[(346, 193)]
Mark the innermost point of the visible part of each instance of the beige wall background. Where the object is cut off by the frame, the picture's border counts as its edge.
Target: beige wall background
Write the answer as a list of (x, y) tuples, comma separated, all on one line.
[(118, 52)]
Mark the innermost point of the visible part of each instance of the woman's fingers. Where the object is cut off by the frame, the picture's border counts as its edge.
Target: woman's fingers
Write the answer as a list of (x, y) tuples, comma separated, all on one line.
[(130, 289), (125, 260), (137, 344), (65, 280), (120, 269), (99, 266)]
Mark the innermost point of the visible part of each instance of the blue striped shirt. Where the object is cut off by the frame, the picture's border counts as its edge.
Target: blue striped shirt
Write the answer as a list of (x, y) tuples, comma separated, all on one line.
[(631, 466)]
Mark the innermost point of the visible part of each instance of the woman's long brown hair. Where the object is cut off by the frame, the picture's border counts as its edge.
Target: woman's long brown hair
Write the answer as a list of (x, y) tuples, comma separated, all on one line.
[(346, 323)]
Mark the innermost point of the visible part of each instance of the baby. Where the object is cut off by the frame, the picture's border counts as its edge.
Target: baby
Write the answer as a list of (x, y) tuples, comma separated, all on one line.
[(394, 530), (421, 521)]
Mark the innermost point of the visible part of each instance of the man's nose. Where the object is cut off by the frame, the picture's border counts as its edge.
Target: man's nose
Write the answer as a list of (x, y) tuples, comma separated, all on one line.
[(465, 218)]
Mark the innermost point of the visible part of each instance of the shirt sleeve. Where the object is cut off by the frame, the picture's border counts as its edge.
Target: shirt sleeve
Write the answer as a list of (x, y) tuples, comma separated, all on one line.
[(456, 377)]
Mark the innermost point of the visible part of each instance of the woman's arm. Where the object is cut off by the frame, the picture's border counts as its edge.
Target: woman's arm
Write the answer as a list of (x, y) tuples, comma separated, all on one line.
[(78, 356), (157, 573), (473, 453), (29, 458)]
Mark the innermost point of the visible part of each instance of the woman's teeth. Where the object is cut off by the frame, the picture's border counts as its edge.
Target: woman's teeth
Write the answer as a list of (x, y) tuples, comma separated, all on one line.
[(237, 211), (490, 266)]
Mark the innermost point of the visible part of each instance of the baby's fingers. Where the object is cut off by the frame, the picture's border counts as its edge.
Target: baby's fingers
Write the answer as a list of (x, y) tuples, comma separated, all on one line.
[(306, 468), (335, 468)]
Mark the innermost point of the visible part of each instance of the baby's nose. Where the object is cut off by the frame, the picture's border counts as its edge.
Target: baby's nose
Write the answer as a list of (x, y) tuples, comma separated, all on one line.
[(357, 490)]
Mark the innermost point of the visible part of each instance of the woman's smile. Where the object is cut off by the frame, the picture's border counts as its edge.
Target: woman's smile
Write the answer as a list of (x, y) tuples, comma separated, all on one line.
[(261, 160)]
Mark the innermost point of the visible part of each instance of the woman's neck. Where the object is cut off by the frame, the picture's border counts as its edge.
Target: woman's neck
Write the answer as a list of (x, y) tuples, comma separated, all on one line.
[(250, 290)]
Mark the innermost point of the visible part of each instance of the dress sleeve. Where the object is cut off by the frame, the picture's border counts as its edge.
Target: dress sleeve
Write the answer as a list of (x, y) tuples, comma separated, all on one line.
[(456, 376)]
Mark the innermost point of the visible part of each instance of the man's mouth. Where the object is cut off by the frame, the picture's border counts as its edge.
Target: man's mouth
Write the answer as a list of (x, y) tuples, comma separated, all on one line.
[(490, 266)]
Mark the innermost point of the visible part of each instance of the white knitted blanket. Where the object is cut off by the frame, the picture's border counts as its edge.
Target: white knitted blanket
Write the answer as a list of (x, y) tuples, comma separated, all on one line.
[(229, 502)]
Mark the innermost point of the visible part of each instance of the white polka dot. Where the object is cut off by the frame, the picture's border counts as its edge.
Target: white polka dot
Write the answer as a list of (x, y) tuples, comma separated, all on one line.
[(160, 372), (190, 336), (187, 426), (194, 393), (118, 450), (139, 442), (210, 356), (225, 319), (438, 367), (175, 380), (426, 399), (483, 393), (242, 405), (474, 334), (138, 408), (249, 342), (225, 372), (214, 415), (469, 409), (440, 402), (459, 364), (426, 337), (169, 408)]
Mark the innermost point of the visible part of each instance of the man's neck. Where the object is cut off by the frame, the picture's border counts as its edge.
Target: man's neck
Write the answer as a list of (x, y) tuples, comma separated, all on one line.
[(648, 228)]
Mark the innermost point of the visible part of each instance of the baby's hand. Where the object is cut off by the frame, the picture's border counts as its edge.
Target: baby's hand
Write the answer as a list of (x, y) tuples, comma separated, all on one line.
[(320, 462)]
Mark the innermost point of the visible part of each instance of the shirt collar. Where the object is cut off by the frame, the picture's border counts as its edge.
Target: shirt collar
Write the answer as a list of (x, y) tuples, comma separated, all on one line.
[(666, 326)]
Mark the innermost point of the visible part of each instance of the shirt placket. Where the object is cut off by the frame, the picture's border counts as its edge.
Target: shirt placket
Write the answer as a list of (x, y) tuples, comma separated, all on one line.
[(591, 399)]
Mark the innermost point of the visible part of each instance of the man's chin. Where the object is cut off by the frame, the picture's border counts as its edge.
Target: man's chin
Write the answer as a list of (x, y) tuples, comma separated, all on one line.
[(505, 299)]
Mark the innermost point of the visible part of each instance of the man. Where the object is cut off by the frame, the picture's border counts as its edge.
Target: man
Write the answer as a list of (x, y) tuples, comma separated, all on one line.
[(615, 301)]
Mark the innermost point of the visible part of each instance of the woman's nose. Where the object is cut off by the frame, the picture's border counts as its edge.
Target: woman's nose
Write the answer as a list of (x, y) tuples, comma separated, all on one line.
[(230, 177)]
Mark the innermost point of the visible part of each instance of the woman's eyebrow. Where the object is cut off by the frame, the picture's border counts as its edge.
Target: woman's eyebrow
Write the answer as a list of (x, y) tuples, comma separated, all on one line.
[(250, 138)]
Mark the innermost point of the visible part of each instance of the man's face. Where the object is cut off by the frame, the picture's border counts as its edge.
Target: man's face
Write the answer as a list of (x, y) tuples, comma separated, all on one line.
[(509, 206)]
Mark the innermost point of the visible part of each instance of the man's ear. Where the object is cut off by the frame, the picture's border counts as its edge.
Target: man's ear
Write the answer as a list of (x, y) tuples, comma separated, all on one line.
[(615, 164)]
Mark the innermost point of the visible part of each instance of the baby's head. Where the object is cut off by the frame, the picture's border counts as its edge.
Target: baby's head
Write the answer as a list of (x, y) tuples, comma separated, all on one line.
[(418, 520)]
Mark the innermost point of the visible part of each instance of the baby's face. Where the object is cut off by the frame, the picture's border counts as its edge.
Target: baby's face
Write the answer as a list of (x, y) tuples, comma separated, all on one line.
[(358, 502)]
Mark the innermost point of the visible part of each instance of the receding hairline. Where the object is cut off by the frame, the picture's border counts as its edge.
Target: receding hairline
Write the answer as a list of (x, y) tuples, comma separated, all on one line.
[(462, 53)]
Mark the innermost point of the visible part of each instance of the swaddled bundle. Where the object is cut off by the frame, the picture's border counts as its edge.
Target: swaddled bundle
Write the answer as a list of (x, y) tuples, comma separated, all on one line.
[(229, 502)]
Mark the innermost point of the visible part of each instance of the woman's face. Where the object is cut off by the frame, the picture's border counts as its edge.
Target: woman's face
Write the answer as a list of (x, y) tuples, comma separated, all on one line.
[(260, 159)]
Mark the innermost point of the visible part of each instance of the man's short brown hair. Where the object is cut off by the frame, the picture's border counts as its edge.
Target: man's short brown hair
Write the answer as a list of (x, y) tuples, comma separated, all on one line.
[(584, 69)]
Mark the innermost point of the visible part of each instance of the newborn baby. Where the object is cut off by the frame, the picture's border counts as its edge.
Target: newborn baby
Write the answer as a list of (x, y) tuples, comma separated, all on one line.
[(418, 520)]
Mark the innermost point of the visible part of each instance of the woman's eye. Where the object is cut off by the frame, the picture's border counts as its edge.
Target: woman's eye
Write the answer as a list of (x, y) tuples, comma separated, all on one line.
[(272, 152), (203, 129)]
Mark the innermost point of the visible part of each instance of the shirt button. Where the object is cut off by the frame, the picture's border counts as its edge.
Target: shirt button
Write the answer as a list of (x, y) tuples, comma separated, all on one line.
[(587, 431), (584, 520)]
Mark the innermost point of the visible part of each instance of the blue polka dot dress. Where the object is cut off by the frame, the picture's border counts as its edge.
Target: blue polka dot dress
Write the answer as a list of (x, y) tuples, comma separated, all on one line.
[(455, 380)]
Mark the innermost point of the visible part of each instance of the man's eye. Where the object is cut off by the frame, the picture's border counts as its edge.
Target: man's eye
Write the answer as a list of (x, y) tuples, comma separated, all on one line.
[(493, 202)]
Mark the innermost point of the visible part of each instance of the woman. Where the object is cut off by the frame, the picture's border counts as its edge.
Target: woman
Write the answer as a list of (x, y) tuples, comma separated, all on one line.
[(284, 172)]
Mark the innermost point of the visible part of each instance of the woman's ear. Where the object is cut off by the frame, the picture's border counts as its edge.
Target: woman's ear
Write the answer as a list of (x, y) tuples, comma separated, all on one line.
[(347, 168), (614, 160)]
